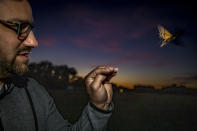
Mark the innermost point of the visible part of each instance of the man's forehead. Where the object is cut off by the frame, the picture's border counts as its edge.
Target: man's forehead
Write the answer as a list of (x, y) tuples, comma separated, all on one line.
[(15, 10)]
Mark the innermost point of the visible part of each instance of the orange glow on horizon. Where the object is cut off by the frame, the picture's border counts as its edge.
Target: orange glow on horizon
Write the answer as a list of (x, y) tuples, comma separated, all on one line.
[(130, 81)]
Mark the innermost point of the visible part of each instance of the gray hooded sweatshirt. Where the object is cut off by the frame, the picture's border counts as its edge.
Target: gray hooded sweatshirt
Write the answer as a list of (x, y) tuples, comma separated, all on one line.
[(26, 106)]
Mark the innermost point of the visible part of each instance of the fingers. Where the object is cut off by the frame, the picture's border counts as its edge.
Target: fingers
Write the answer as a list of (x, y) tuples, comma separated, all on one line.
[(98, 81), (98, 86), (100, 74), (105, 70), (110, 76)]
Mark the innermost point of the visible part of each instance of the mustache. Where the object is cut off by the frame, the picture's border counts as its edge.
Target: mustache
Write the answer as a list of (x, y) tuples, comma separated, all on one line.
[(28, 49)]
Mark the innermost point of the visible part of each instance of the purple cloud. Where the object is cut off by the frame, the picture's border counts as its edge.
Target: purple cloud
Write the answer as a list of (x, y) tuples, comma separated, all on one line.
[(47, 41)]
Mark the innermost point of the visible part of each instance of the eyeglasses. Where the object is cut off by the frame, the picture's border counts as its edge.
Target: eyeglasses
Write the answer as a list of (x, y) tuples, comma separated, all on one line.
[(21, 28)]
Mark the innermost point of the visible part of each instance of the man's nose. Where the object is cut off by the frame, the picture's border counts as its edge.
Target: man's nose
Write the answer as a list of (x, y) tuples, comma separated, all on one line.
[(30, 41)]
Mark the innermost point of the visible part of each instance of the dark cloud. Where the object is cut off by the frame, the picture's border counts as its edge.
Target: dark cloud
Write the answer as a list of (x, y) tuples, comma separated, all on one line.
[(190, 80), (186, 78)]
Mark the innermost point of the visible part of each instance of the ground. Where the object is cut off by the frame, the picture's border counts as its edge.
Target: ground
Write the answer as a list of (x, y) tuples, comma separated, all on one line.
[(136, 111)]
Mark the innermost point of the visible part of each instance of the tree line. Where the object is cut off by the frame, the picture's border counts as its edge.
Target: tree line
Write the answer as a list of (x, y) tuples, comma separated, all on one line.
[(63, 77)]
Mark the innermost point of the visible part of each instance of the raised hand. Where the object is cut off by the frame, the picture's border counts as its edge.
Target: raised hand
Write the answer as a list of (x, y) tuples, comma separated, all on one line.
[(99, 87)]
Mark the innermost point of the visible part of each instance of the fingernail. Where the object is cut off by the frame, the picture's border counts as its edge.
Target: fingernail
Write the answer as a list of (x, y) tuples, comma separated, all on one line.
[(116, 69), (111, 68)]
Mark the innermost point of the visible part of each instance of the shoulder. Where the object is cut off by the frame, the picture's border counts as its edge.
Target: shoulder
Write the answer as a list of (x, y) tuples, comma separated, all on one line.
[(39, 94), (31, 84), (37, 91), (35, 86)]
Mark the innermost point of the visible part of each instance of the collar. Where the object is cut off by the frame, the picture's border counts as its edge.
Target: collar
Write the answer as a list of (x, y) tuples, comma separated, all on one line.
[(5, 88), (1, 85)]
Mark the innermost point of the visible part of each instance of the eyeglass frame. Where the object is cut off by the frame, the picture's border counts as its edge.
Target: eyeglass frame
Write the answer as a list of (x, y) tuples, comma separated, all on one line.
[(18, 30)]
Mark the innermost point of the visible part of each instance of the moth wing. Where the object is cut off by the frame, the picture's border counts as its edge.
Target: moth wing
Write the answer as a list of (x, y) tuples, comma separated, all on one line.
[(164, 34), (163, 43)]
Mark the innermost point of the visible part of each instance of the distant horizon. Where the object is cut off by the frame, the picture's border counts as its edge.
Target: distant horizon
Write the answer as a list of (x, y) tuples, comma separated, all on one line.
[(122, 84)]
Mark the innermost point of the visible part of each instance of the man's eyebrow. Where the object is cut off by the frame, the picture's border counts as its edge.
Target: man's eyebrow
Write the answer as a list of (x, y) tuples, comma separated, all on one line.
[(21, 20)]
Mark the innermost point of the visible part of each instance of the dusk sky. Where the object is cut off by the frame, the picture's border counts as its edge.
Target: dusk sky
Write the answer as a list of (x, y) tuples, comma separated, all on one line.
[(124, 34)]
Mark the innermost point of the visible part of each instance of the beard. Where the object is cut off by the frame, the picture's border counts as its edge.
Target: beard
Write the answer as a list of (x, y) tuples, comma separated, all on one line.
[(14, 65), (13, 68)]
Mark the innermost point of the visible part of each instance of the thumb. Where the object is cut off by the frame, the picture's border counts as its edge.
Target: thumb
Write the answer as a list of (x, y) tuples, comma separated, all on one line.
[(109, 91), (97, 83)]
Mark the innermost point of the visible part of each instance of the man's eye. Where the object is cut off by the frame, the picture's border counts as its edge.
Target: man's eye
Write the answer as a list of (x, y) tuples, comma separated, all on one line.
[(24, 27)]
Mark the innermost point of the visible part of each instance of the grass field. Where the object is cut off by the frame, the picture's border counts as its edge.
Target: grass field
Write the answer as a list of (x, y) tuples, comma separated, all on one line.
[(136, 112)]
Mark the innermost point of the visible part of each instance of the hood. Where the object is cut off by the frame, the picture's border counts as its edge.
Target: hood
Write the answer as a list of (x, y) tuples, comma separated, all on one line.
[(6, 87), (10, 83)]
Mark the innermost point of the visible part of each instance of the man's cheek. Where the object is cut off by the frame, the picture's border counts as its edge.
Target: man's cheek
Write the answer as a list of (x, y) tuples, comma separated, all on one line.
[(9, 58)]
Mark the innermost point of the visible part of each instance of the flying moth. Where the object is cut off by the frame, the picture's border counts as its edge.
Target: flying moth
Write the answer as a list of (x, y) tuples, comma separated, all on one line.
[(166, 36)]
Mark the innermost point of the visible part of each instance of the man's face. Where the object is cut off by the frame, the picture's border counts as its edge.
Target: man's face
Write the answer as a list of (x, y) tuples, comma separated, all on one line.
[(13, 52)]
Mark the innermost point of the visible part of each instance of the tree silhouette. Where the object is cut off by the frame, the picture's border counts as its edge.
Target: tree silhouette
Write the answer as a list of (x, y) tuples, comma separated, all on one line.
[(54, 76)]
